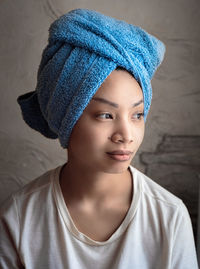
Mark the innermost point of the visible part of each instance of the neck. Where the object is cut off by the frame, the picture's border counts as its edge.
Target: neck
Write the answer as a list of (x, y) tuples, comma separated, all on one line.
[(79, 183)]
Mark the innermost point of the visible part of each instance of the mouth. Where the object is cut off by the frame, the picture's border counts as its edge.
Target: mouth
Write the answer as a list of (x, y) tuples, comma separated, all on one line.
[(120, 155)]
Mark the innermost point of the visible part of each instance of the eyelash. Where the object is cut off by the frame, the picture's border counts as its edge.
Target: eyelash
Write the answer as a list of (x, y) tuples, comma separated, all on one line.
[(99, 116), (139, 116)]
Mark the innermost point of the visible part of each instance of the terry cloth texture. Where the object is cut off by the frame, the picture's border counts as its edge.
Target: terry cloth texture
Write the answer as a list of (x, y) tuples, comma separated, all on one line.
[(84, 47)]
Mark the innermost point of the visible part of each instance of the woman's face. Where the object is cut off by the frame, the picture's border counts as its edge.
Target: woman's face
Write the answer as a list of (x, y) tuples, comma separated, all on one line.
[(111, 128)]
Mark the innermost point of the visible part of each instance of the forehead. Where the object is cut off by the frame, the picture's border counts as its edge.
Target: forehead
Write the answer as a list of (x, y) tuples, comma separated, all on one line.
[(120, 86)]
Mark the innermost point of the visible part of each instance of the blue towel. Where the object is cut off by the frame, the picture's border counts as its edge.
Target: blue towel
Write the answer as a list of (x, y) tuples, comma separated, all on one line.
[(84, 47)]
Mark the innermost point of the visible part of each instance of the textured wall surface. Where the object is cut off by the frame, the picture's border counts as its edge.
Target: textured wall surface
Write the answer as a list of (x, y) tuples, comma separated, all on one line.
[(24, 24), (175, 165)]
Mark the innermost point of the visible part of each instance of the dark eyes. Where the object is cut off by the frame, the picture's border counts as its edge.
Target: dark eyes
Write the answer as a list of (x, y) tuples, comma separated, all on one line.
[(138, 116), (109, 116), (105, 116)]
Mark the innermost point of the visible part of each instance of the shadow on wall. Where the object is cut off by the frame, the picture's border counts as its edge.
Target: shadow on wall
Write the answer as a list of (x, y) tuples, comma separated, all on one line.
[(21, 161), (175, 165)]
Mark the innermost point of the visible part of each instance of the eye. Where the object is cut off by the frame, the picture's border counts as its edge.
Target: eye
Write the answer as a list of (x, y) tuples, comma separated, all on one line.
[(138, 116), (104, 116)]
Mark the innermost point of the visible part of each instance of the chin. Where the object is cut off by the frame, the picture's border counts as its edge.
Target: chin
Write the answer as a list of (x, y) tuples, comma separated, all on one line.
[(117, 169)]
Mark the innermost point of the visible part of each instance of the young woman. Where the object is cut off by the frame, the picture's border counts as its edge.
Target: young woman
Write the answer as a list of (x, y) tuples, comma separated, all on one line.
[(95, 211)]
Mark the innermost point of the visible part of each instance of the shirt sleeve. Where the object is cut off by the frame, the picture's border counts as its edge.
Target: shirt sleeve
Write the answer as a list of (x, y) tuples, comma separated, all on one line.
[(183, 251), (9, 236)]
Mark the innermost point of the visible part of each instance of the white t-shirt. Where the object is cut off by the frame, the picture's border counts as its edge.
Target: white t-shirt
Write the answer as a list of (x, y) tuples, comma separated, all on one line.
[(37, 231)]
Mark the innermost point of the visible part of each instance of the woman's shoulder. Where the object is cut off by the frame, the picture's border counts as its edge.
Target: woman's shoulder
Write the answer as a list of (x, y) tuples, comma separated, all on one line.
[(155, 192), (34, 191), (35, 185)]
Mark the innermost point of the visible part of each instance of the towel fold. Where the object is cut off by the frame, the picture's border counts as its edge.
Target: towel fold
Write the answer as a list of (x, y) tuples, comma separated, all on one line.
[(84, 47)]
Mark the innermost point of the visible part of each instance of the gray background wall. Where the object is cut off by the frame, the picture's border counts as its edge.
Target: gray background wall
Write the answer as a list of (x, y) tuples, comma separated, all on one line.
[(172, 128)]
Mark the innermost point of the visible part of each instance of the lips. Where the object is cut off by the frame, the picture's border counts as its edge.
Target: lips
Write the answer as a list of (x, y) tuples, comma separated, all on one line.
[(120, 152), (120, 155)]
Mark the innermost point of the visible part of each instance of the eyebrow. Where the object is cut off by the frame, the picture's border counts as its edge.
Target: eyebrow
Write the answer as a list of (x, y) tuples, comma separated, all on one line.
[(105, 101)]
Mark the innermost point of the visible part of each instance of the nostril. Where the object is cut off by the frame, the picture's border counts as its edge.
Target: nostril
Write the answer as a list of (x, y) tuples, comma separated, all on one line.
[(118, 138)]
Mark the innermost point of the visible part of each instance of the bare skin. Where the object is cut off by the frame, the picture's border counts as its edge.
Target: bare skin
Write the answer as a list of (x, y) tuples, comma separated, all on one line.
[(97, 209), (96, 185)]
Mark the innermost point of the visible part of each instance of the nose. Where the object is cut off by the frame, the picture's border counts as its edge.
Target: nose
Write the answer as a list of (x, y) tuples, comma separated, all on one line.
[(123, 133)]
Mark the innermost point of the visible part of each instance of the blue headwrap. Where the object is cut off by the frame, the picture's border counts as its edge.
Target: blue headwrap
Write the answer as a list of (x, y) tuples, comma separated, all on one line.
[(84, 47)]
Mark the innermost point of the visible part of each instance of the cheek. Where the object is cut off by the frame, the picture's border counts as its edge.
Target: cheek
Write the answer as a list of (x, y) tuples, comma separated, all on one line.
[(139, 135), (86, 136)]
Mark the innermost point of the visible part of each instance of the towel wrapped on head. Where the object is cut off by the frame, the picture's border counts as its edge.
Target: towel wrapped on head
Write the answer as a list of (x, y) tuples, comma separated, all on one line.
[(84, 47)]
